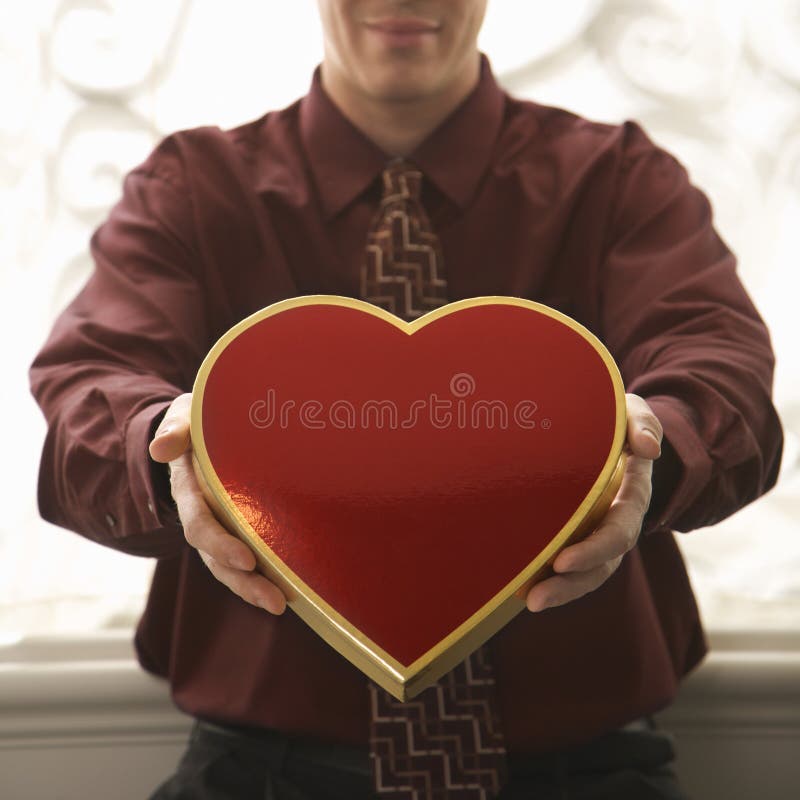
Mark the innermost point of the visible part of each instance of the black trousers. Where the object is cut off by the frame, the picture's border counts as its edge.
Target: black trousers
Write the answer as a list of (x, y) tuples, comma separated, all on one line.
[(224, 763)]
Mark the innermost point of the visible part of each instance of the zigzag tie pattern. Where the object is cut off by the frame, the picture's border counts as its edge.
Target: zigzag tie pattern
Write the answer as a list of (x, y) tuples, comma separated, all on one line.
[(447, 742), (403, 268)]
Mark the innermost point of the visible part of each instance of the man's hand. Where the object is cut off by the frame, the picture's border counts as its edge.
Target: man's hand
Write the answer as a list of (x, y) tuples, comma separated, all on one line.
[(231, 562), (584, 566)]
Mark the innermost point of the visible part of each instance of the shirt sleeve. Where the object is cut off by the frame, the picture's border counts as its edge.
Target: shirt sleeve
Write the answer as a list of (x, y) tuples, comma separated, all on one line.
[(689, 340), (124, 348)]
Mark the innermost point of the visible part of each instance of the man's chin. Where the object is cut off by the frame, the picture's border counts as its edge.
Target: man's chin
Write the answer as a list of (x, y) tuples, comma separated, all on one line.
[(402, 90)]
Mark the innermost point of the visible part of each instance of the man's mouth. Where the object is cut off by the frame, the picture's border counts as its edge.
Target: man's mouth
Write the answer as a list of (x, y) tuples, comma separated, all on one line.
[(403, 30)]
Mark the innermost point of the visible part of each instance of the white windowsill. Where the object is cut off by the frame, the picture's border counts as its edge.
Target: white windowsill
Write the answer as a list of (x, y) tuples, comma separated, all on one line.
[(81, 687), (93, 686)]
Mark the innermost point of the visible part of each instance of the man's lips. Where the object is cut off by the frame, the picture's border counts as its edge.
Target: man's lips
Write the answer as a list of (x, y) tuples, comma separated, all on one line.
[(402, 31), (403, 25)]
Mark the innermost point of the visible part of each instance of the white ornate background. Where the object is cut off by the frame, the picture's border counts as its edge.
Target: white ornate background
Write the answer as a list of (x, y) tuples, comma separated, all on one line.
[(88, 88)]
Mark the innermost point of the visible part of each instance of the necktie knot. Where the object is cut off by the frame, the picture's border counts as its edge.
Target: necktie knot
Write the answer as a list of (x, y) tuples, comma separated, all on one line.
[(401, 181), (403, 269)]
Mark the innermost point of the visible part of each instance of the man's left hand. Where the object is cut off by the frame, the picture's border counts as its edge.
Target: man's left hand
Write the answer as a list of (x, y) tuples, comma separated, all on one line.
[(582, 567)]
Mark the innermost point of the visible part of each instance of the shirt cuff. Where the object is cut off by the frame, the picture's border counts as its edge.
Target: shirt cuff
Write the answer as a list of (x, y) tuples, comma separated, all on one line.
[(149, 482), (686, 469)]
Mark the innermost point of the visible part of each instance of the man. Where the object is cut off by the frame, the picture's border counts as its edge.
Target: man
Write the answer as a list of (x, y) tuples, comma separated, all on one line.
[(527, 201)]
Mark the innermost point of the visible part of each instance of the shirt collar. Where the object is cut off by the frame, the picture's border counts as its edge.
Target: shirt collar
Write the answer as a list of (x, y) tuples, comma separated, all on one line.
[(344, 162)]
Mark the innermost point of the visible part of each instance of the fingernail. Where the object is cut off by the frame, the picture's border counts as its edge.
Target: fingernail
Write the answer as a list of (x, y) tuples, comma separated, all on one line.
[(241, 562), (539, 605), (654, 437), (267, 606)]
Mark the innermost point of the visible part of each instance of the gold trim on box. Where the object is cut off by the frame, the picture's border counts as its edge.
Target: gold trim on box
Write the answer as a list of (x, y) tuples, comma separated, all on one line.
[(404, 682)]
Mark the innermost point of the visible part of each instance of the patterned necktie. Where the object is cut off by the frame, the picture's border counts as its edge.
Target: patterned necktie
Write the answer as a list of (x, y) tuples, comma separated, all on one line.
[(403, 268), (446, 742)]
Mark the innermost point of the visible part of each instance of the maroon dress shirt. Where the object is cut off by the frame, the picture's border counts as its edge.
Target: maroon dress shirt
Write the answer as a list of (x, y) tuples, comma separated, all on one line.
[(528, 200)]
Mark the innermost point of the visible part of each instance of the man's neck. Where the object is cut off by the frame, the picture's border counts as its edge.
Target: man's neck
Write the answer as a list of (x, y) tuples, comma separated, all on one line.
[(398, 127)]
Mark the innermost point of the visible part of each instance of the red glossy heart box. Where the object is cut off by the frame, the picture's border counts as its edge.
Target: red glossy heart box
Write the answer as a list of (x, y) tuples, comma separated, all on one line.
[(406, 483)]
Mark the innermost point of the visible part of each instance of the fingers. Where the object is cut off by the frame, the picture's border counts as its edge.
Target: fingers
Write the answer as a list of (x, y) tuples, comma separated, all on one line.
[(585, 566), (172, 436), (562, 589), (618, 533), (200, 527), (644, 429), (228, 559), (250, 586)]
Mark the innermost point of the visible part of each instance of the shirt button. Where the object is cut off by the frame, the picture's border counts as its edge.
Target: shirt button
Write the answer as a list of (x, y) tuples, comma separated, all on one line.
[(111, 520), (150, 506)]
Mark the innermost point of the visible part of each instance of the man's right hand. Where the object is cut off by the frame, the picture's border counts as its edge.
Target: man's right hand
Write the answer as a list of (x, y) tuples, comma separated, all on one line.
[(231, 562)]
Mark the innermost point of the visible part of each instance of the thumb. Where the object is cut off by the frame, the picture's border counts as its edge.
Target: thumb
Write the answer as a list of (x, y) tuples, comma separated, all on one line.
[(644, 430), (172, 437)]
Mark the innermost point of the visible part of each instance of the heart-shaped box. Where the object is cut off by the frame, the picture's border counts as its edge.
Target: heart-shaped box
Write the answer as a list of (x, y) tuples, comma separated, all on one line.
[(405, 483)]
